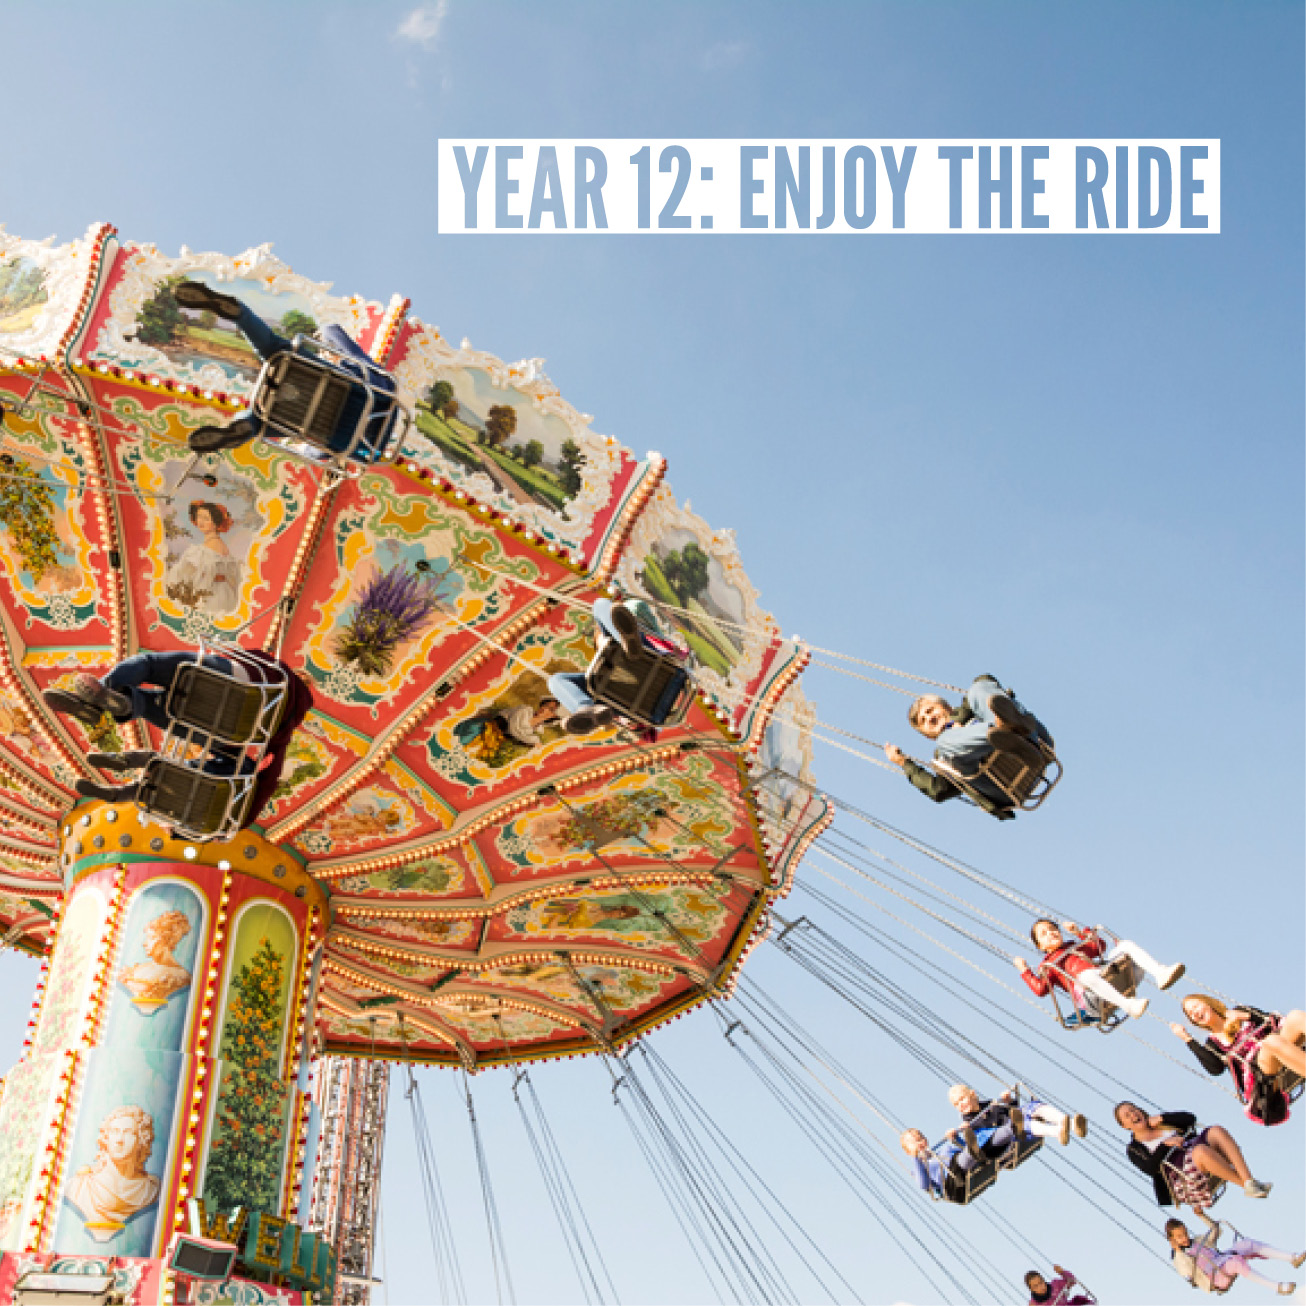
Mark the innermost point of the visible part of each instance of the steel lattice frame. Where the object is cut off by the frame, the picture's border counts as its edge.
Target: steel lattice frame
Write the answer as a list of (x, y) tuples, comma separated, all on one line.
[(351, 1094)]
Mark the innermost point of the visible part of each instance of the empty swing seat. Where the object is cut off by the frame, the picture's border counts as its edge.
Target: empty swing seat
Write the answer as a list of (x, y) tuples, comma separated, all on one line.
[(651, 688), (195, 803), (315, 400)]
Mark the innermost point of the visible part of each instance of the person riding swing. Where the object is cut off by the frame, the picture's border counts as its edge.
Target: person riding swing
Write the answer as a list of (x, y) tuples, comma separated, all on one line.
[(635, 675), (1206, 1267), (1099, 979), (227, 716), (990, 748), (323, 399)]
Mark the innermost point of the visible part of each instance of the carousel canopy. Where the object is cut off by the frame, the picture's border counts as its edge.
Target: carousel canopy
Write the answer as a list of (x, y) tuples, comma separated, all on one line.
[(498, 888)]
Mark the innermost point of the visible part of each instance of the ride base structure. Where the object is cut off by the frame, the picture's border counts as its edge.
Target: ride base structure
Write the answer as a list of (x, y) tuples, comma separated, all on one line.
[(444, 875)]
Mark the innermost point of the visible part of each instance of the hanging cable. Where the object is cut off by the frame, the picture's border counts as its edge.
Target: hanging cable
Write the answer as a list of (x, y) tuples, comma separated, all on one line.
[(582, 1247), (836, 840), (711, 1219), (498, 1251), (444, 1247), (1058, 1052), (749, 1175), (842, 1140)]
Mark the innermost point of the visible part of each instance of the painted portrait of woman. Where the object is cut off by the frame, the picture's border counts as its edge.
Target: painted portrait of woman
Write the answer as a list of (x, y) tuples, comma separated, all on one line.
[(207, 575)]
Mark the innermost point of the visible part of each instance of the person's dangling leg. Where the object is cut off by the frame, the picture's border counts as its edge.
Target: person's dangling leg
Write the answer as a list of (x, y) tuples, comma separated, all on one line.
[(1046, 1121), (571, 691), (1239, 1267), (1284, 1050), (1094, 982), (266, 341), (146, 678), (1164, 976), (619, 622), (244, 426), (582, 715), (1253, 1250), (996, 1143)]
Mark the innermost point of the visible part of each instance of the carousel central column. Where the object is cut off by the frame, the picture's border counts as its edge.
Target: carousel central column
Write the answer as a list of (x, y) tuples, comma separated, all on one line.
[(167, 1054)]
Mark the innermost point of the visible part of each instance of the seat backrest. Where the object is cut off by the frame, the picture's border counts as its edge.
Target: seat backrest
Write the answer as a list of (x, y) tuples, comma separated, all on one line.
[(1122, 975), (1291, 1084), (1012, 776), (302, 398), (194, 802), (651, 688), (980, 1178), (218, 705)]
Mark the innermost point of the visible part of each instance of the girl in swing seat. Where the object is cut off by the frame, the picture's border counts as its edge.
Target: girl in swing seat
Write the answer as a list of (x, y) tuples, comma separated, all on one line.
[(1262, 1050)]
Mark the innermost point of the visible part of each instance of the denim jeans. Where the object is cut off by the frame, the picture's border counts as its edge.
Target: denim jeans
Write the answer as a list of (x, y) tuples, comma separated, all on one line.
[(146, 678), (570, 688)]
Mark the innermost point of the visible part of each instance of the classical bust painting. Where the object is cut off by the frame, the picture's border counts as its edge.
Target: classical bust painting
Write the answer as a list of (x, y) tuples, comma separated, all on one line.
[(116, 1185), (152, 982)]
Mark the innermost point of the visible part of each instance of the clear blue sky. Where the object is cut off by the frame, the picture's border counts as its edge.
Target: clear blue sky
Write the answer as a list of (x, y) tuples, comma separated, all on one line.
[(1076, 462)]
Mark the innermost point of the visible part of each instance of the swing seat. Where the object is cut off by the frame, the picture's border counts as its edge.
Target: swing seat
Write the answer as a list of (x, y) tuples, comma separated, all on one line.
[(1215, 1186), (220, 728), (196, 804), (303, 400), (981, 1177), (1290, 1084), (1023, 786), (205, 701), (1123, 976), (652, 688)]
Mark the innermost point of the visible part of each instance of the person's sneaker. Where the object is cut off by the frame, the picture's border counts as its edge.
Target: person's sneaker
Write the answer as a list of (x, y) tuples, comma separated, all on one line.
[(1254, 1188), (972, 1144), (1011, 716), (1299, 1260), (211, 439), (1286, 1289), (1134, 1007), (626, 624), (1063, 1134), (1009, 741), (133, 760), (1080, 1124), (588, 719), (1170, 975), (88, 700), (201, 298), (105, 793)]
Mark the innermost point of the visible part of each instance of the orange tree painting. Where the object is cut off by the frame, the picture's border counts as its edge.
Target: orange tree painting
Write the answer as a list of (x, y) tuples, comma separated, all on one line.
[(27, 512), (245, 1164)]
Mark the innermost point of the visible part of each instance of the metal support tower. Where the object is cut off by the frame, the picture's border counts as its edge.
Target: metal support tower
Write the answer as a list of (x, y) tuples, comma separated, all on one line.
[(351, 1094)]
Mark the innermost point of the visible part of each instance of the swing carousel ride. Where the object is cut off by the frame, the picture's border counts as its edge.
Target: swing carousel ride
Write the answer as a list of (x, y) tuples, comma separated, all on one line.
[(444, 875)]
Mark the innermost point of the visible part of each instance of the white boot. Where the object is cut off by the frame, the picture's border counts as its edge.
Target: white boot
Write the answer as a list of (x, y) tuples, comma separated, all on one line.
[(1162, 976), (1092, 981)]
